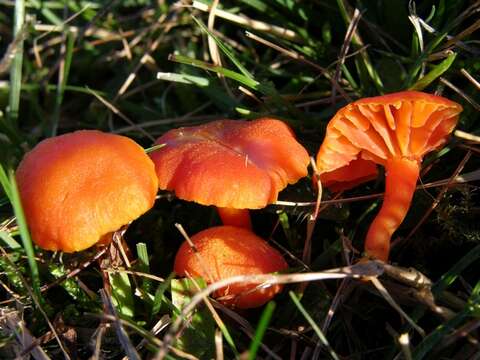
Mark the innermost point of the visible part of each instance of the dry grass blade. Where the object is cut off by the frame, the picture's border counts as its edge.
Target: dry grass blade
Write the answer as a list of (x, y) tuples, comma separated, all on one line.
[(410, 276), (12, 49), (218, 345), (36, 301), (296, 56), (121, 333), (466, 136), (416, 22), (203, 264), (437, 199), (244, 326), (470, 78), (404, 342), (247, 22), (12, 324), (461, 93), (463, 331), (131, 77), (113, 109), (460, 179), (75, 271), (345, 47), (343, 290), (371, 268), (381, 289)]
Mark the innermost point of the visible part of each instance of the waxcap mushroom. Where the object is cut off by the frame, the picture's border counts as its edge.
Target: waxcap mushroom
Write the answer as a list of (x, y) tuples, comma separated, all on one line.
[(77, 187), (230, 164), (395, 131), (227, 251)]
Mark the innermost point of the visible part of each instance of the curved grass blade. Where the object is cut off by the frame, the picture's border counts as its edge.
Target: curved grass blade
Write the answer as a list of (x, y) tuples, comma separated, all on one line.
[(261, 328), (435, 73)]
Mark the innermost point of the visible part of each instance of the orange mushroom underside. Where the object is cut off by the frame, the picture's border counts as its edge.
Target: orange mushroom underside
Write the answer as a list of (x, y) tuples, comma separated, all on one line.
[(394, 131)]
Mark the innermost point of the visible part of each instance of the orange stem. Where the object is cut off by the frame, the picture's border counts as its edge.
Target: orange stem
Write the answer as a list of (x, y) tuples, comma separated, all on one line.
[(235, 217), (401, 179)]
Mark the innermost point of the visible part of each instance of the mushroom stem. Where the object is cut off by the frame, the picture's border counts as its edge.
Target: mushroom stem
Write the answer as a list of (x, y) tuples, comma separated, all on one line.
[(400, 182), (235, 217)]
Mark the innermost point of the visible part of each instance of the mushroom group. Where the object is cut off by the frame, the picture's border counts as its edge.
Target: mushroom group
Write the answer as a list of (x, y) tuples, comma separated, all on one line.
[(79, 188)]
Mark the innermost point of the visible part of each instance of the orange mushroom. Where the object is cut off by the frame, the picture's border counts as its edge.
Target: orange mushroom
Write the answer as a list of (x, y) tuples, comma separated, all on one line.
[(234, 165), (395, 131), (227, 251), (78, 187)]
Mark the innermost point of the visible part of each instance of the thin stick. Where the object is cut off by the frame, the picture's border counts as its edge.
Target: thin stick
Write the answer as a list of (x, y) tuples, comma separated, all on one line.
[(345, 47), (466, 136), (461, 93), (392, 302), (471, 78), (119, 113), (371, 268), (461, 179)]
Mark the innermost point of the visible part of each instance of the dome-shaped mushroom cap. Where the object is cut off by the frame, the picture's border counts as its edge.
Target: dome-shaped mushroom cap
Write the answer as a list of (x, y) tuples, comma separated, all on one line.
[(230, 163), (77, 187), (227, 251), (406, 124)]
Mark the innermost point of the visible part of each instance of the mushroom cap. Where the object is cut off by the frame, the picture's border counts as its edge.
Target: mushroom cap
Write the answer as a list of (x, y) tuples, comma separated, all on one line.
[(406, 124), (230, 163), (76, 188), (226, 251)]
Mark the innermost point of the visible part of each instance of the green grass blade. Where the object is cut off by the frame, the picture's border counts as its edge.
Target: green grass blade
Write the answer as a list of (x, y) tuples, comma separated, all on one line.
[(144, 265), (9, 240), (260, 331), (49, 14), (429, 342), (160, 297), (314, 325), (122, 296), (435, 73), (62, 84), (25, 235), (224, 49), (451, 275), (153, 148), (16, 69), (253, 84), (357, 42), (184, 79)]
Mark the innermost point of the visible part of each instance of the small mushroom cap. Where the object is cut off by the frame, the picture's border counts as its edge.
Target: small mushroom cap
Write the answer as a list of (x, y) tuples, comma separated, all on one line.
[(406, 124), (230, 163), (76, 188), (226, 251)]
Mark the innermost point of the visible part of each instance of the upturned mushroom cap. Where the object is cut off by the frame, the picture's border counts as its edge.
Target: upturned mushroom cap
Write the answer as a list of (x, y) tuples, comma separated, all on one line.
[(227, 251), (76, 188), (230, 163), (395, 131), (406, 124)]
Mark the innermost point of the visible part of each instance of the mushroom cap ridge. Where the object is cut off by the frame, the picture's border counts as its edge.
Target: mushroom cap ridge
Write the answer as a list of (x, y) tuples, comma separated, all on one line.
[(77, 187), (230, 163)]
